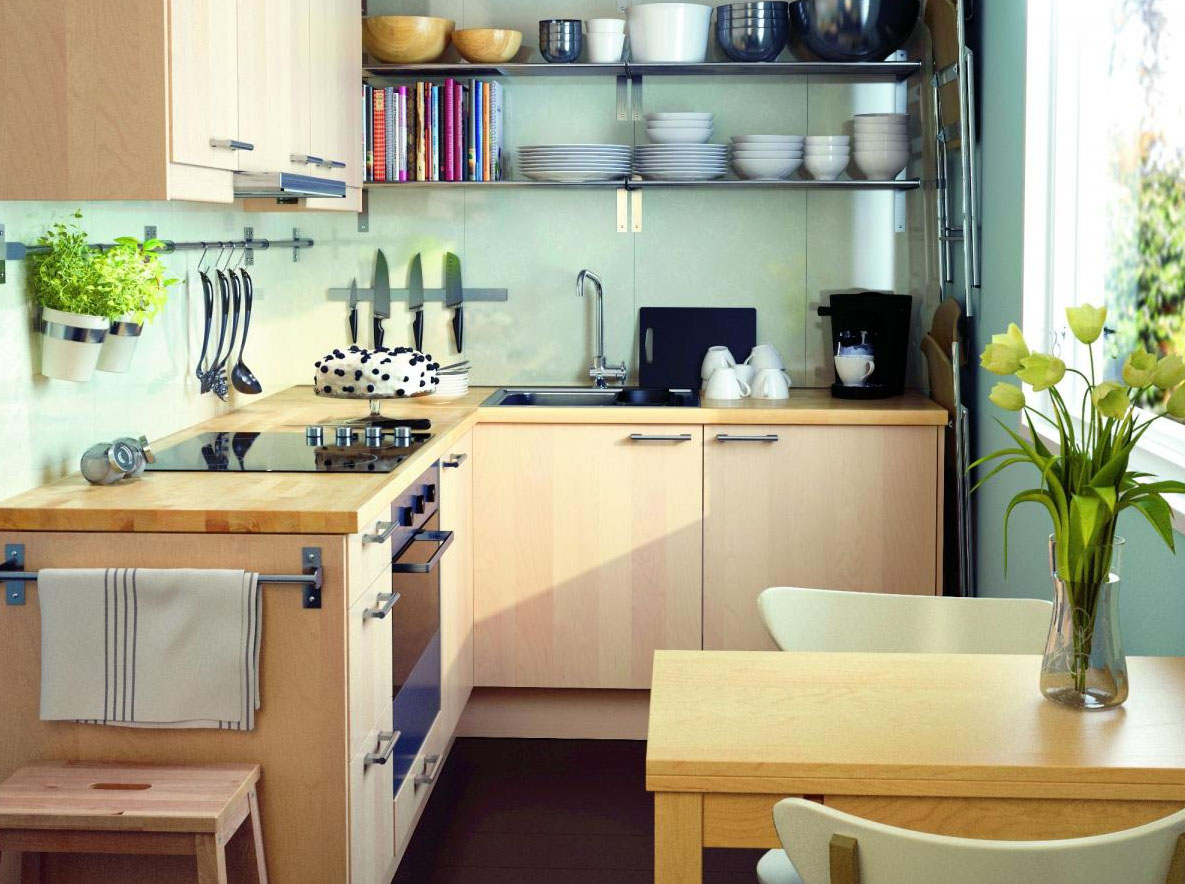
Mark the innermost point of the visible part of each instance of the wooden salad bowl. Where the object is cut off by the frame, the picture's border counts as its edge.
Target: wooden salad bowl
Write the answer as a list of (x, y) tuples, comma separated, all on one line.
[(487, 45), (406, 39)]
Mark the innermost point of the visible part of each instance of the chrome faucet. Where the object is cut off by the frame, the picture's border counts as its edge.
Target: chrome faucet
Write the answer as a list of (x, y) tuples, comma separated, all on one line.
[(600, 373)]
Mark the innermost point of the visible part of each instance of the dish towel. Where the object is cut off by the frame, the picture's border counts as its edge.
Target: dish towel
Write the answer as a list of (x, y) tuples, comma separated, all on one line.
[(150, 648)]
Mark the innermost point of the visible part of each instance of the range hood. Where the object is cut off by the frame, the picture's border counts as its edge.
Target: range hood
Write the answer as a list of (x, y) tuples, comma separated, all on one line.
[(285, 185)]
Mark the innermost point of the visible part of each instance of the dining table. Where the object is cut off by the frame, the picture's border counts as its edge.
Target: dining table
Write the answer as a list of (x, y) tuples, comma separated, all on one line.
[(952, 744)]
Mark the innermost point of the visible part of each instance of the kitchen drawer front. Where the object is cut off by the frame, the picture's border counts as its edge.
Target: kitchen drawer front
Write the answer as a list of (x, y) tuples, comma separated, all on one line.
[(412, 796), (370, 558), (369, 671), (372, 814)]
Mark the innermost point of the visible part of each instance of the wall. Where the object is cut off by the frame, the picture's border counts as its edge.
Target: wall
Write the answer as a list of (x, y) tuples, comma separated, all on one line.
[(1153, 593)]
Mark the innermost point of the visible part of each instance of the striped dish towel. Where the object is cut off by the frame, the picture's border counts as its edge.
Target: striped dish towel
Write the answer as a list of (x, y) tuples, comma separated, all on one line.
[(150, 648)]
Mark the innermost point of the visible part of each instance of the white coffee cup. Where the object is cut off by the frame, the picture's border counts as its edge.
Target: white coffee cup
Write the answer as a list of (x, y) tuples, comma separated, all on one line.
[(716, 357), (854, 370), (746, 372), (765, 356), (606, 25), (725, 384), (771, 383), (604, 48)]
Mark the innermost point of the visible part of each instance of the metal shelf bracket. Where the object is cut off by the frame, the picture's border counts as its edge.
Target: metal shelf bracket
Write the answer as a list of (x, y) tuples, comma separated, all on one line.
[(14, 560)]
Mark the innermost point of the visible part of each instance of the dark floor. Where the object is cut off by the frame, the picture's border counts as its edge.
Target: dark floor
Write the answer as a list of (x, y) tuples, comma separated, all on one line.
[(546, 812)]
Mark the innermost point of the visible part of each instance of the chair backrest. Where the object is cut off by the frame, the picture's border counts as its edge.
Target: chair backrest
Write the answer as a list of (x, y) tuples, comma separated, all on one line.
[(831, 620), (889, 855)]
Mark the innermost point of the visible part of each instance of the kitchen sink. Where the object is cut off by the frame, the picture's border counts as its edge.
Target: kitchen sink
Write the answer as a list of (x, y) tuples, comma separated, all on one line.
[(583, 397)]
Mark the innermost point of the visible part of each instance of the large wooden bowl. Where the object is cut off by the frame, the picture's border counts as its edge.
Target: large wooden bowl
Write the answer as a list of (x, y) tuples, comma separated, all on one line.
[(487, 45), (406, 39)]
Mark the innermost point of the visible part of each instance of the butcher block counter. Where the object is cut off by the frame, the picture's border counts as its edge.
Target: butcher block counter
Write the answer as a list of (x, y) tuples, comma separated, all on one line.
[(336, 503)]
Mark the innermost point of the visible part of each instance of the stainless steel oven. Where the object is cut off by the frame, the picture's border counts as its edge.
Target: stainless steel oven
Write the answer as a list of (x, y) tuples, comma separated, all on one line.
[(415, 625)]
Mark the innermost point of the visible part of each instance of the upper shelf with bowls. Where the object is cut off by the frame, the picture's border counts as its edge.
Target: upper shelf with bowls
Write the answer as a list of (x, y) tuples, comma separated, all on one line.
[(864, 71)]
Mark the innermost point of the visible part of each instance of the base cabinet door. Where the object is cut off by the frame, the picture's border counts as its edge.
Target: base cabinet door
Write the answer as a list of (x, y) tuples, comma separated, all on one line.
[(456, 582), (372, 810), (587, 554), (824, 507)]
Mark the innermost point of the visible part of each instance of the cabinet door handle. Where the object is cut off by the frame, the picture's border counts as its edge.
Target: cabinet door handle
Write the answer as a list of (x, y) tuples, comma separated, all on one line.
[(455, 461), (383, 531), (231, 144), (388, 737), (307, 158), (728, 437), (660, 437), (331, 164), (427, 779), (386, 602), (444, 538)]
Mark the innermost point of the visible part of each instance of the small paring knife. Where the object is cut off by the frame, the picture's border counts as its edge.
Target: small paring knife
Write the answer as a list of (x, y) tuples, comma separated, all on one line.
[(415, 300), (354, 310), (382, 298), (454, 295)]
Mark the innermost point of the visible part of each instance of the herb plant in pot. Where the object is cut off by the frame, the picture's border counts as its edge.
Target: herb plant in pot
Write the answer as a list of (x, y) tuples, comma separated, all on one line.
[(1085, 485), (134, 279)]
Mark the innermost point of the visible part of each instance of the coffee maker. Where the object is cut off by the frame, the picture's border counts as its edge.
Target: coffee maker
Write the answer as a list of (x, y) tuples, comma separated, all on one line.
[(870, 328)]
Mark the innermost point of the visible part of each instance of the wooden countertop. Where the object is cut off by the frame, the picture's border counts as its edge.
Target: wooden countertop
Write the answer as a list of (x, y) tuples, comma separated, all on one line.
[(335, 503)]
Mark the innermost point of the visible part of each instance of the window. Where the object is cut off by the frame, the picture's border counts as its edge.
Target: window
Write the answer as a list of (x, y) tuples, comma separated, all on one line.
[(1105, 185)]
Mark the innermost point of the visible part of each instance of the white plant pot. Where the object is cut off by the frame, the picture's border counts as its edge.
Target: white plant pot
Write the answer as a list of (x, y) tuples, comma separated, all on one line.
[(71, 343), (120, 346)]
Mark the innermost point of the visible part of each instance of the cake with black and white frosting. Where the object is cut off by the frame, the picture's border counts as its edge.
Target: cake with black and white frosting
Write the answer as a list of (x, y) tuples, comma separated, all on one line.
[(381, 373)]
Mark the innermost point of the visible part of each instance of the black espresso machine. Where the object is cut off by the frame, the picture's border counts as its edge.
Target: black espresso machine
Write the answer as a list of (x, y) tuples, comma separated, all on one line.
[(874, 325)]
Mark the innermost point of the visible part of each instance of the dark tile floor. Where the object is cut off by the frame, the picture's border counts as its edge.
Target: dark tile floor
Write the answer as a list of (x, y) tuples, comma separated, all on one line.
[(546, 812)]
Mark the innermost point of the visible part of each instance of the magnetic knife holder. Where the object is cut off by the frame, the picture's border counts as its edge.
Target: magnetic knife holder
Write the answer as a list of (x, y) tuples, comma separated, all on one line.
[(429, 295)]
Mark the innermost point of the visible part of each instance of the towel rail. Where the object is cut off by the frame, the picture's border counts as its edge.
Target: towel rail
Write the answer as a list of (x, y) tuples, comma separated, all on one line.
[(312, 578)]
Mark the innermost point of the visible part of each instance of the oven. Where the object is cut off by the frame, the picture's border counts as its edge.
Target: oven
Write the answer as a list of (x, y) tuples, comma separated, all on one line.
[(418, 547)]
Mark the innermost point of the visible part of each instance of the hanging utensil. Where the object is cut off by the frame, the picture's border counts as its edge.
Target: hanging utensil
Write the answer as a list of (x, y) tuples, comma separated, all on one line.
[(454, 295), (415, 300), (381, 308), (224, 301), (240, 376), (207, 323), (354, 310)]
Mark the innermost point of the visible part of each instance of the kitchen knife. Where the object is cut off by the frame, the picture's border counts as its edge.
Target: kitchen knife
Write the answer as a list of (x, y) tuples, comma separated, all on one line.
[(415, 300), (381, 308), (454, 295), (354, 311)]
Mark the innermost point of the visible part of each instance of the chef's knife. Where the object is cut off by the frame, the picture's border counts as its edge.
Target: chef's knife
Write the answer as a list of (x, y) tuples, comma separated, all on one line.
[(415, 300), (354, 311), (454, 295), (381, 308)]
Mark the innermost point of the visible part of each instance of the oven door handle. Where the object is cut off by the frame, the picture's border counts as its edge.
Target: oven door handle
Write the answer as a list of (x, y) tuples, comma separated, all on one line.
[(444, 538)]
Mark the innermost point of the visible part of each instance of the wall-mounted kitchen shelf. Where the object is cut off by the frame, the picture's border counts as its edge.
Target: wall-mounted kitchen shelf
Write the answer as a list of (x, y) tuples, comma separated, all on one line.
[(468, 185), (895, 184), (871, 70)]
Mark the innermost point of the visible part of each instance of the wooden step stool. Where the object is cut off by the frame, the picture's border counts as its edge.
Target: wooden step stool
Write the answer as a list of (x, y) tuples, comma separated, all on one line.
[(87, 807)]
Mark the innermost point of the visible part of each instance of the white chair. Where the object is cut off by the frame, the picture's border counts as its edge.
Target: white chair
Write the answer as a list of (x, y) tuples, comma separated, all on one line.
[(889, 855), (831, 620)]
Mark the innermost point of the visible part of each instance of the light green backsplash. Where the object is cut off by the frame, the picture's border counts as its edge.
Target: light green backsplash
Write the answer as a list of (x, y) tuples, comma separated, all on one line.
[(1152, 608)]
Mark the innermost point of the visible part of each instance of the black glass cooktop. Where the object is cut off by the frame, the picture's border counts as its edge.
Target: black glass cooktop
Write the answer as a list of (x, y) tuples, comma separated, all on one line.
[(307, 452)]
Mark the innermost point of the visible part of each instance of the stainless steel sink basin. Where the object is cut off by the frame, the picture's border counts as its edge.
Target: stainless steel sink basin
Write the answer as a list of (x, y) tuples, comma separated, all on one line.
[(567, 397)]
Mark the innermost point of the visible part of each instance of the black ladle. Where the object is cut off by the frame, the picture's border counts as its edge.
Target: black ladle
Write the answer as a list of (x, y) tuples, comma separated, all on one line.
[(240, 376), (203, 374)]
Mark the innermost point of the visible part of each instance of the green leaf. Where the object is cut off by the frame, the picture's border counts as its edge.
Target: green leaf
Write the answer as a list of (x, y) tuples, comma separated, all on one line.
[(999, 467), (1033, 495), (1160, 515)]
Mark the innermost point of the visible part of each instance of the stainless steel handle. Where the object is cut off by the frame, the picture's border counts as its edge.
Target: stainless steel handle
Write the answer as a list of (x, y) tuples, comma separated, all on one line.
[(427, 779), (660, 437), (388, 737), (384, 529), (307, 158), (444, 538), (333, 164), (386, 602), (455, 461), (231, 144), (727, 437)]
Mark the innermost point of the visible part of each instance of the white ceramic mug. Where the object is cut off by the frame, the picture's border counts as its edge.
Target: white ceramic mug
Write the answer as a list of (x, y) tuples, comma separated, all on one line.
[(765, 356), (604, 48), (771, 383), (725, 384), (716, 357), (854, 370), (746, 372)]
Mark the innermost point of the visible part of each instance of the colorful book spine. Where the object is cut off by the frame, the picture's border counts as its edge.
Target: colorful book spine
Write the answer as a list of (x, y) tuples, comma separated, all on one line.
[(485, 128), (400, 136), (389, 106), (379, 121), (449, 129), (368, 117), (471, 146), (410, 125), (420, 128), (478, 138), (495, 131)]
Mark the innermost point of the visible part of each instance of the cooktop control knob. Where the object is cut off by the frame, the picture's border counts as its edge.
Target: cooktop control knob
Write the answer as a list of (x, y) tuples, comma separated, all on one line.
[(402, 435), (344, 435), (374, 436), (314, 435)]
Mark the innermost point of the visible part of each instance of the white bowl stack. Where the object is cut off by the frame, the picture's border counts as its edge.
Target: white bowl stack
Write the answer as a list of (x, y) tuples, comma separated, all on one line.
[(575, 162), (766, 157), (680, 128), (826, 156), (881, 144), (453, 382)]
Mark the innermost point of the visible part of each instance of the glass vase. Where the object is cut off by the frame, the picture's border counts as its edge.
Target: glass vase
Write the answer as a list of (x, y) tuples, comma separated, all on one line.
[(1084, 664)]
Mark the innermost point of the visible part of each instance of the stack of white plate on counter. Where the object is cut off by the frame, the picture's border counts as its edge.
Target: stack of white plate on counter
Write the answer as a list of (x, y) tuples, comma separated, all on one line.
[(681, 161), (454, 381), (575, 162), (766, 157), (881, 144), (680, 128)]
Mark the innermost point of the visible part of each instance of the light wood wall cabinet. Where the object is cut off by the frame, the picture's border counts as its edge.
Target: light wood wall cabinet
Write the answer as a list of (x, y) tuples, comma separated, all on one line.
[(167, 99), (831, 507), (587, 554)]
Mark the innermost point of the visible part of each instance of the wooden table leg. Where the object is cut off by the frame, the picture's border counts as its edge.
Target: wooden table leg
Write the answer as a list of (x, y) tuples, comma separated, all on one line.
[(678, 838), (257, 839), (211, 859)]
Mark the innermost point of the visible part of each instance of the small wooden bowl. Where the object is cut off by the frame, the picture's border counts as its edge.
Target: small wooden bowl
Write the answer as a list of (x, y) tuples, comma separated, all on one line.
[(487, 45), (406, 39)]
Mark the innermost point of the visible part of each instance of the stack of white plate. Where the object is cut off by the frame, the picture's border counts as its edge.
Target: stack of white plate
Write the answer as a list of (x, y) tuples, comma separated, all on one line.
[(681, 162), (766, 157), (452, 384), (881, 147), (679, 128), (574, 162)]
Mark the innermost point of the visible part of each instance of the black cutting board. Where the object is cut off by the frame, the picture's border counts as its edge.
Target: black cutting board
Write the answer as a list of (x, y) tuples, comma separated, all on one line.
[(672, 341)]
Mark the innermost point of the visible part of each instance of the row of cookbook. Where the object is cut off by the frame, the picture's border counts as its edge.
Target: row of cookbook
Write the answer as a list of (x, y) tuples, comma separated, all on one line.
[(450, 131)]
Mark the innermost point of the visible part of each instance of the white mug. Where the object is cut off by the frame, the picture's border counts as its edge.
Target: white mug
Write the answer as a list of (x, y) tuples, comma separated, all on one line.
[(765, 356), (771, 383), (716, 357), (604, 48), (854, 370), (725, 384), (746, 372)]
